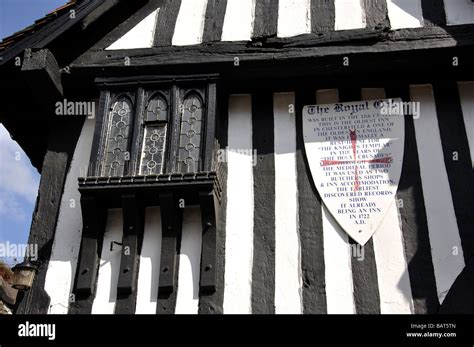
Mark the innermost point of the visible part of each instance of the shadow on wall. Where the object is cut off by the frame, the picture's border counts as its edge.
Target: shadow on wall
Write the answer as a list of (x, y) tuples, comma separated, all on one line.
[(453, 12), (460, 298), (411, 7)]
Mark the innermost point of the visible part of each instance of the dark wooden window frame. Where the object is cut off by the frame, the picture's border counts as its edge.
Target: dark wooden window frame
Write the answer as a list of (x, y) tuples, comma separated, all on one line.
[(147, 96), (107, 112), (140, 89)]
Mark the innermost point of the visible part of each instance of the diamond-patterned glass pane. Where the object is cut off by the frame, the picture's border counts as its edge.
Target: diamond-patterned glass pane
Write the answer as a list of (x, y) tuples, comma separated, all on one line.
[(117, 138), (154, 141), (190, 135)]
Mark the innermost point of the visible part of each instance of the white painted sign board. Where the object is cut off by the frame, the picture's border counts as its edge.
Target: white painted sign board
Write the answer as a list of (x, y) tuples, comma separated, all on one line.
[(355, 154)]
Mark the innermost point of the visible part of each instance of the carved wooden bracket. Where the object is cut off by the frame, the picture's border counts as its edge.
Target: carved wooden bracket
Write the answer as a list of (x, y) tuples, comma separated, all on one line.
[(209, 204), (93, 218)]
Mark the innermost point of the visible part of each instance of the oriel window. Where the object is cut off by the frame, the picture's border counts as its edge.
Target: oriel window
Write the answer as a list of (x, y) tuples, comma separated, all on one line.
[(155, 127)]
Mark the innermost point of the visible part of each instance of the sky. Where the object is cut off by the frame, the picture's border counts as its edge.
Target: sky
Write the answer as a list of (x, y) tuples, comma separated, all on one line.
[(19, 180)]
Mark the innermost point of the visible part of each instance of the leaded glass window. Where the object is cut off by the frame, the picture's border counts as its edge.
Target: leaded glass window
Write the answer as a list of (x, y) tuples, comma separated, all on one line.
[(157, 110), (116, 149), (155, 127), (190, 134), (154, 137)]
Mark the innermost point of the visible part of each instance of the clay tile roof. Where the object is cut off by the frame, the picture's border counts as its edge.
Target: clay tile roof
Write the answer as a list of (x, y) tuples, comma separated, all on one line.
[(9, 40)]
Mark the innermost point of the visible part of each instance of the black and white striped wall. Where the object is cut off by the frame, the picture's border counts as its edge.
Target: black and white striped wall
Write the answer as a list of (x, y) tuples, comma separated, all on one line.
[(192, 22), (280, 251)]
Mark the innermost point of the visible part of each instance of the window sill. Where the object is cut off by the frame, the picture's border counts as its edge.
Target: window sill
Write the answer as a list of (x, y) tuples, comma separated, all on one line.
[(109, 190)]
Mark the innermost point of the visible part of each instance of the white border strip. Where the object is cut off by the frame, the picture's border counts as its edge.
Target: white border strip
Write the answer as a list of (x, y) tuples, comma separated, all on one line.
[(238, 20), (349, 14), (109, 268), (287, 244), (294, 17), (405, 14), (240, 205), (150, 257), (140, 36), (187, 297), (190, 23)]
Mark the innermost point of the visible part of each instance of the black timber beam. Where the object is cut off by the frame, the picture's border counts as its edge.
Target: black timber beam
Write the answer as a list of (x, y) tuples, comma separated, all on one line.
[(211, 122), (14, 91), (97, 12), (208, 203), (395, 68), (133, 223), (343, 42), (422, 55), (42, 74), (63, 138), (51, 31), (172, 222), (101, 21), (150, 189), (94, 219), (93, 228)]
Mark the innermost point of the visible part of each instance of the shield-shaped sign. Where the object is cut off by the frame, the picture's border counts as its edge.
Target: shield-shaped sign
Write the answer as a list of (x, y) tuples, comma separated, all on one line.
[(355, 154)]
